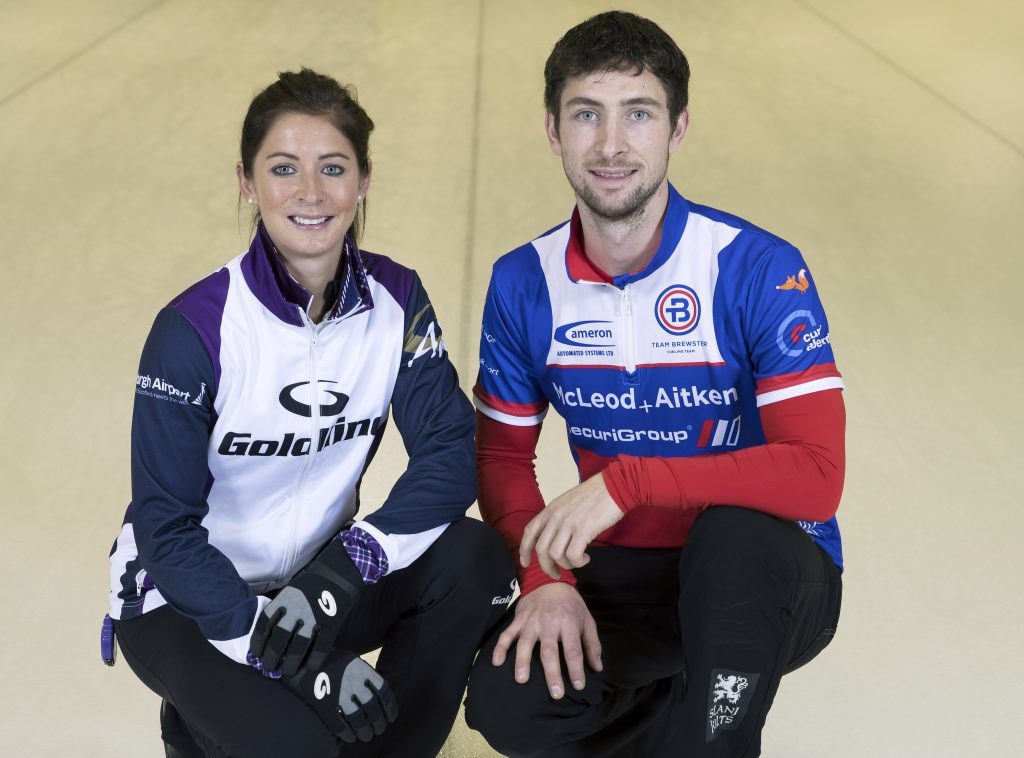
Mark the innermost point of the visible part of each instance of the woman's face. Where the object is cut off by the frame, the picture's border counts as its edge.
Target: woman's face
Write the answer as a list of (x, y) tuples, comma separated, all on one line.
[(307, 185)]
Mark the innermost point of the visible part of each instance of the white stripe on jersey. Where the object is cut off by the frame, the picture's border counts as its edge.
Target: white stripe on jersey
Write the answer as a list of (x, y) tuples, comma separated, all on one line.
[(507, 418), (828, 383)]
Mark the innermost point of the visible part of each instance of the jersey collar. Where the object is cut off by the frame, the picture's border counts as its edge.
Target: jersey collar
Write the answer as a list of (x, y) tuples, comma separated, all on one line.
[(581, 269), (282, 295)]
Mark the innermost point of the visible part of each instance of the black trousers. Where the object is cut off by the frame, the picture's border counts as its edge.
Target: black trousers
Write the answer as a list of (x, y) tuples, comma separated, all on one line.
[(694, 643), (428, 619)]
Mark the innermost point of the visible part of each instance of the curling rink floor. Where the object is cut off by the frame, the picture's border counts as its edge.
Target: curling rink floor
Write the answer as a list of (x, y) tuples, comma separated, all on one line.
[(885, 138)]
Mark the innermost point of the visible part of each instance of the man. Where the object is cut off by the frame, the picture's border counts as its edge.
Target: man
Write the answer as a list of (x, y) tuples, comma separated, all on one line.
[(689, 354)]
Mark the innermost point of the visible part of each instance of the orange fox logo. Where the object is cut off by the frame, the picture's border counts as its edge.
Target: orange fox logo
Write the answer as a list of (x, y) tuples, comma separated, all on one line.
[(798, 282)]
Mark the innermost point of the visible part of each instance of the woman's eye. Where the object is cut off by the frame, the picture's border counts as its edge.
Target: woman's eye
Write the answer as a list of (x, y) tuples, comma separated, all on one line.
[(283, 170), (333, 170)]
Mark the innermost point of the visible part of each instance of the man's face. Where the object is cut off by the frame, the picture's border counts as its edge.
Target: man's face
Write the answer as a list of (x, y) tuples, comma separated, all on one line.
[(615, 137)]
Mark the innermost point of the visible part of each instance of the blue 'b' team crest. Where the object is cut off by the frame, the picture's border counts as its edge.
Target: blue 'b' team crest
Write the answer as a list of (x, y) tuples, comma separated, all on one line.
[(677, 309)]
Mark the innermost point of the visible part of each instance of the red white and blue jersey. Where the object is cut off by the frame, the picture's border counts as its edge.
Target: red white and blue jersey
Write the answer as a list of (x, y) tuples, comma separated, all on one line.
[(671, 361)]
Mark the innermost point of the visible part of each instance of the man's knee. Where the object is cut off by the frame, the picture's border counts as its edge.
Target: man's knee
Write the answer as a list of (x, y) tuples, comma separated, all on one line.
[(503, 710), (735, 553)]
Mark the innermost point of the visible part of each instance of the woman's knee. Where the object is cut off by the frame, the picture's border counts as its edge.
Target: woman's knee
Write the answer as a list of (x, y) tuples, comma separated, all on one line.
[(476, 557)]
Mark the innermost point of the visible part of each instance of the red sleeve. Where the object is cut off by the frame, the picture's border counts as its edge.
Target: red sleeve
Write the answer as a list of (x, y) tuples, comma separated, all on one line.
[(509, 496), (797, 474)]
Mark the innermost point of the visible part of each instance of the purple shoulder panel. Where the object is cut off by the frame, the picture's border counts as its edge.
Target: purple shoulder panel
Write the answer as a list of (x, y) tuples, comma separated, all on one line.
[(202, 305), (394, 277)]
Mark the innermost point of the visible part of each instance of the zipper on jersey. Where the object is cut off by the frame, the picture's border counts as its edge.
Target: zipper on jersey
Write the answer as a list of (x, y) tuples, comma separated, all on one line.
[(314, 447), (630, 348)]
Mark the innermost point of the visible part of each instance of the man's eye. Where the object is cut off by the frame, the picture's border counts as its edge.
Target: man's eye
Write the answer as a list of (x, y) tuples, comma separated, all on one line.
[(639, 115), (333, 170), (586, 116), (282, 170)]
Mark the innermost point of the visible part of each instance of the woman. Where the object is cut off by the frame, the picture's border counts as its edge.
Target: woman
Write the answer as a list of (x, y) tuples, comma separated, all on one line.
[(242, 593)]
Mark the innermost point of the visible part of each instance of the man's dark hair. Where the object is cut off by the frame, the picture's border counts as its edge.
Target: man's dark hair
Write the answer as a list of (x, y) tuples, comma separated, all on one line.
[(617, 41)]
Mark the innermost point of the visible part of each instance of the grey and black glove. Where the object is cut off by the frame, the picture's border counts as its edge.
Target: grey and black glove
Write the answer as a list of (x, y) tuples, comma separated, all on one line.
[(299, 626), (352, 699)]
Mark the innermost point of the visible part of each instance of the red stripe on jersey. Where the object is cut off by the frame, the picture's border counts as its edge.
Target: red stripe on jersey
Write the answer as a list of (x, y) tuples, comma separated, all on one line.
[(512, 409), (705, 432), (772, 383)]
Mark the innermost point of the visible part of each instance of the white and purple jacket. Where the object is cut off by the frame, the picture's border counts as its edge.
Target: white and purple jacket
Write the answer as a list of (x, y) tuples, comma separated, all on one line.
[(253, 427)]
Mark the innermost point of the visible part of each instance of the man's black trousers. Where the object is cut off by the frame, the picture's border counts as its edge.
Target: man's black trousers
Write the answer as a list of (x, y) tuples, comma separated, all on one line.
[(428, 619), (694, 643)]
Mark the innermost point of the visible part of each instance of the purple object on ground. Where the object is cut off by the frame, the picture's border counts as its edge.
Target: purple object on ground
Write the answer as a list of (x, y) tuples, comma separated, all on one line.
[(108, 645)]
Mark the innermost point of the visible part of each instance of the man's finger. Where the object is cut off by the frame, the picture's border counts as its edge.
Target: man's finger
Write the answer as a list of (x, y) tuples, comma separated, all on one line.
[(549, 659), (559, 544), (524, 653), (573, 655), (592, 643), (527, 544), (575, 554), (505, 640), (543, 548), (548, 565)]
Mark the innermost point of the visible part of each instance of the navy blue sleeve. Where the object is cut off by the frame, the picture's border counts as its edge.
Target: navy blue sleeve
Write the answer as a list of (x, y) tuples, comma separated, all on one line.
[(436, 422), (171, 427)]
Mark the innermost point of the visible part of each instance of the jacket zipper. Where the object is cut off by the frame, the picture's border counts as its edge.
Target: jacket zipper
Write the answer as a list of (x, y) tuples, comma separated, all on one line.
[(314, 447), (627, 312)]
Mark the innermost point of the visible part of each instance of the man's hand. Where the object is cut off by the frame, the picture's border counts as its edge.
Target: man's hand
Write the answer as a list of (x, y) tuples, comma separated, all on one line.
[(551, 614), (351, 699), (302, 622), (561, 532)]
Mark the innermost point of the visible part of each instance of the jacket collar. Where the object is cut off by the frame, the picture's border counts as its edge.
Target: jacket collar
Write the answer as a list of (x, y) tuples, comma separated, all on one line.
[(580, 268), (282, 295)]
